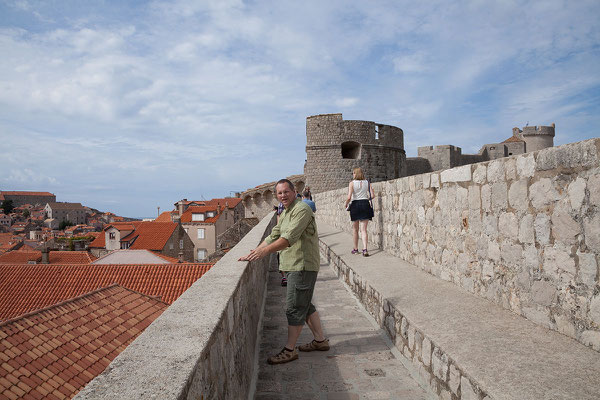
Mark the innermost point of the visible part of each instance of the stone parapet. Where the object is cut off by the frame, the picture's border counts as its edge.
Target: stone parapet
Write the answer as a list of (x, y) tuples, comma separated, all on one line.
[(204, 344), (521, 231)]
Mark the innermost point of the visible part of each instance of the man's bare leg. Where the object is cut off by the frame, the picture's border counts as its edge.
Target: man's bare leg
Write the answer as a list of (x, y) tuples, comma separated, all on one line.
[(314, 323), (293, 334)]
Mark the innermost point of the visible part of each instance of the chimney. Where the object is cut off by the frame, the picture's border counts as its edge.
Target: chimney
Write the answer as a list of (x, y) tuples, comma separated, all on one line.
[(180, 260), (46, 255)]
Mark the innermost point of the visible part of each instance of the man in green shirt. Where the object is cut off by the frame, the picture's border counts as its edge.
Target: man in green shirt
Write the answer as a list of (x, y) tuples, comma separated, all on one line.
[(296, 236)]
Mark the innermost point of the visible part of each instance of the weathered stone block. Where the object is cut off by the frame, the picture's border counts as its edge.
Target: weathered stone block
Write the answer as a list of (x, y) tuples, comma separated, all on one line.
[(435, 180), (579, 154), (576, 192), (511, 253), (493, 251), (542, 228), (558, 260), (486, 197), (480, 174), (517, 195), (543, 293), (499, 196), (536, 315), (526, 165), (508, 226), (595, 309), (564, 325), (454, 379), (593, 185), (588, 269), (426, 352), (458, 174), (474, 197), (495, 171), (591, 338), (440, 364), (564, 228), (526, 232), (591, 228), (466, 390), (542, 193)]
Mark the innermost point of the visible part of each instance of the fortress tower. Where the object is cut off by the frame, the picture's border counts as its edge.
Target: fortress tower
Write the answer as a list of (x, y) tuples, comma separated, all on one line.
[(536, 137), (334, 147)]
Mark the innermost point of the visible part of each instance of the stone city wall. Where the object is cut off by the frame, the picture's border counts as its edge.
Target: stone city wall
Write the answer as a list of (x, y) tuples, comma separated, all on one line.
[(203, 346), (522, 231)]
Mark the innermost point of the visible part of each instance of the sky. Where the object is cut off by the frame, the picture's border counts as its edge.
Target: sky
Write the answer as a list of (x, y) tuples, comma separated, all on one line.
[(126, 106)]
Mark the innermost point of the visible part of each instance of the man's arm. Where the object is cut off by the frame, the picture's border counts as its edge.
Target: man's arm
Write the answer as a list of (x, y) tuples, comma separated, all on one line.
[(265, 249)]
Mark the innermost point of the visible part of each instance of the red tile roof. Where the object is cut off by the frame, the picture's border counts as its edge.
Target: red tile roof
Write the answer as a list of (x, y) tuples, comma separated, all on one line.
[(56, 257), (153, 235), (4, 192), (55, 352), (231, 202), (150, 235), (187, 215), (166, 216), (512, 139), (26, 287)]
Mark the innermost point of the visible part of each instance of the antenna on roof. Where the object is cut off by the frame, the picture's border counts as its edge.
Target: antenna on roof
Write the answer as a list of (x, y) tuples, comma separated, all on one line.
[(158, 211)]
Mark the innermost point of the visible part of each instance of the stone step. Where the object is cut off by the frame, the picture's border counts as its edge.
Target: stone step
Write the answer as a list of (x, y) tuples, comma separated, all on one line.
[(465, 346)]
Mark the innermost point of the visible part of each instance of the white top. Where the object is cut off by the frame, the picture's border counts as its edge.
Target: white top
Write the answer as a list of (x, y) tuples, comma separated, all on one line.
[(360, 190)]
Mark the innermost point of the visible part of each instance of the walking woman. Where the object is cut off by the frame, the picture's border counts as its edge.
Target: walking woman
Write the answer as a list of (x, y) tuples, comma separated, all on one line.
[(360, 194)]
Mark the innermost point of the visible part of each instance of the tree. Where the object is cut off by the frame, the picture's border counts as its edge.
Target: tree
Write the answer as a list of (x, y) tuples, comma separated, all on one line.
[(7, 206), (64, 224)]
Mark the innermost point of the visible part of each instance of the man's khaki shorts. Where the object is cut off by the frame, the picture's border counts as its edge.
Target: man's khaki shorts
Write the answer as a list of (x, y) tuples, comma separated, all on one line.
[(300, 288)]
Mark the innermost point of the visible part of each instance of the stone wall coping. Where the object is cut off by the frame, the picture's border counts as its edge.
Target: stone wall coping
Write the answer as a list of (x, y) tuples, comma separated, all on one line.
[(162, 361)]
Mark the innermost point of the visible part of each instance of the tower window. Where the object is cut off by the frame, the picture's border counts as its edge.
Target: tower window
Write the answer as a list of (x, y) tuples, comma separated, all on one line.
[(351, 150)]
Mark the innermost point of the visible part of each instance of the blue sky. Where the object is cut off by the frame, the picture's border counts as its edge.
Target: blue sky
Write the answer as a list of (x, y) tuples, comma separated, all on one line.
[(126, 106)]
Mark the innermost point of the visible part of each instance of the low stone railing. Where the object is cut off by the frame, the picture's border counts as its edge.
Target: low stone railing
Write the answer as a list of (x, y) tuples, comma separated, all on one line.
[(203, 346)]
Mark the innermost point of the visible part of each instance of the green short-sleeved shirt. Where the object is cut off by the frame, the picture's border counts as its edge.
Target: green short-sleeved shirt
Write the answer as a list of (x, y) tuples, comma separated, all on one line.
[(297, 225)]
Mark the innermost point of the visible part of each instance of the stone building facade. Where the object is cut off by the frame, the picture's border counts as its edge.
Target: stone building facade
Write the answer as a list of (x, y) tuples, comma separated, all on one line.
[(334, 147), (528, 139), (33, 198)]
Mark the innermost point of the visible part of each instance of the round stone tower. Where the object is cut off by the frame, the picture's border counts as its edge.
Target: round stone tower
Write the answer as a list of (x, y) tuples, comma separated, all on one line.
[(334, 147), (536, 137)]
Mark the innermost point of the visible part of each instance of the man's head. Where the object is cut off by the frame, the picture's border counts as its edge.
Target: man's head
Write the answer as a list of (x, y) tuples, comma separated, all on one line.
[(306, 194), (286, 193)]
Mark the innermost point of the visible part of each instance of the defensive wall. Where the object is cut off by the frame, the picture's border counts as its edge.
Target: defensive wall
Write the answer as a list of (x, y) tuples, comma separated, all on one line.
[(334, 147), (204, 345), (521, 231), (259, 201)]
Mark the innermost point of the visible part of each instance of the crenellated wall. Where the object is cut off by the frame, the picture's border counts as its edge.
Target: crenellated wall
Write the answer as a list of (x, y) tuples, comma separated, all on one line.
[(203, 346), (522, 231)]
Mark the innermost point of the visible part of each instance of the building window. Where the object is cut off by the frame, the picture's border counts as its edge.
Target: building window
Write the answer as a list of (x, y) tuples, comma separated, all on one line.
[(197, 217), (201, 254), (200, 233), (351, 150), (210, 214), (181, 244), (111, 235)]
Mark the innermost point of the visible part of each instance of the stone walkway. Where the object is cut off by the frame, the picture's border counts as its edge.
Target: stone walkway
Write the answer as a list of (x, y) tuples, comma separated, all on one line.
[(359, 365)]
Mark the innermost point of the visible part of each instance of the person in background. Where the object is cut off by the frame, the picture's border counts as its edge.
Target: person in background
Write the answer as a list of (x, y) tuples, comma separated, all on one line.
[(360, 193), (306, 198)]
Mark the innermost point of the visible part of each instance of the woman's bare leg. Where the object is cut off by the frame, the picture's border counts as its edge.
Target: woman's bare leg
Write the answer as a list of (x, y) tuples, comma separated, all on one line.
[(355, 233), (364, 234)]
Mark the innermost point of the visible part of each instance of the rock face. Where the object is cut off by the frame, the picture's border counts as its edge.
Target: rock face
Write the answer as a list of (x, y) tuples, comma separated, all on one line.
[(522, 231)]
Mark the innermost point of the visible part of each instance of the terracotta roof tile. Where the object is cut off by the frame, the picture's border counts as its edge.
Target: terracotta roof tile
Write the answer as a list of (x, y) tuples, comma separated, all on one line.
[(512, 139), (61, 369), (56, 257), (166, 216), (4, 192), (28, 287)]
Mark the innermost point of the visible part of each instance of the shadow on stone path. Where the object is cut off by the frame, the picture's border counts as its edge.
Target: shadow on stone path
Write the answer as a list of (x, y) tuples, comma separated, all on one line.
[(359, 365)]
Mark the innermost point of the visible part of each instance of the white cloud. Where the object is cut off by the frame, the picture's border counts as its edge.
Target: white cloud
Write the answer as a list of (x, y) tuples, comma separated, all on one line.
[(346, 102)]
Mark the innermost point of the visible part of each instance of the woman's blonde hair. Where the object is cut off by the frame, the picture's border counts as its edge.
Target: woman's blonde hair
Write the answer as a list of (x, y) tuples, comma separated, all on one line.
[(358, 174)]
